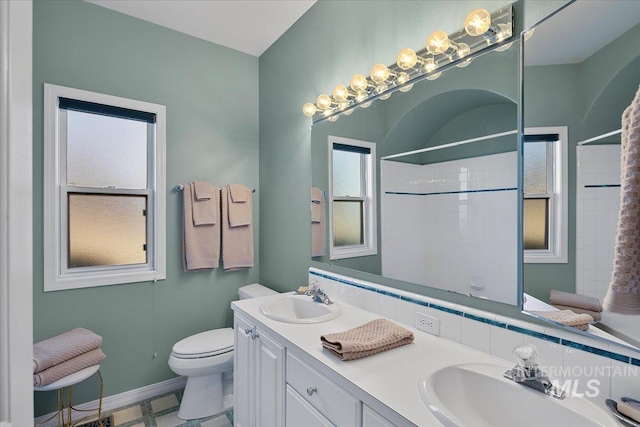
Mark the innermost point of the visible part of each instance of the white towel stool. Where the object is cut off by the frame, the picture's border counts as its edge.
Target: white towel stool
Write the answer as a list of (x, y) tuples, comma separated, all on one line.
[(63, 385)]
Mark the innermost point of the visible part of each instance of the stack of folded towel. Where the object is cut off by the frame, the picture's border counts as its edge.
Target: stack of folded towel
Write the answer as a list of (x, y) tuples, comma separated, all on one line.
[(65, 354), (567, 318), (373, 337), (579, 304)]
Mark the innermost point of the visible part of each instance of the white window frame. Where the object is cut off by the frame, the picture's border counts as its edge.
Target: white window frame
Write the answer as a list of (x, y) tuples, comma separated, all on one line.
[(558, 201), (56, 274), (370, 224)]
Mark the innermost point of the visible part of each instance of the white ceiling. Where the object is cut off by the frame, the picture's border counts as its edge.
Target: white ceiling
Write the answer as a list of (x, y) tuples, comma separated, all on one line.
[(250, 26), (577, 32)]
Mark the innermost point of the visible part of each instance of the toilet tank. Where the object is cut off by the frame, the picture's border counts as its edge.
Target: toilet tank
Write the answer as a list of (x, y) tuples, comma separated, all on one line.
[(254, 291)]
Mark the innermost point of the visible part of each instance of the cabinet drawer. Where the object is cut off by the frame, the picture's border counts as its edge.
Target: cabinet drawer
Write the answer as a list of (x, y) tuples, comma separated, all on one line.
[(332, 401), (371, 418), (301, 413)]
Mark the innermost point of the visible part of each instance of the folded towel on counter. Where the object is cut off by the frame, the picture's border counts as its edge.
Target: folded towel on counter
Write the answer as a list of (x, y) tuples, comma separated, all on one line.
[(205, 204), (597, 316), (373, 337), (60, 348), (240, 205), (318, 225), (237, 241), (68, 367), (574, 300), (201, 243), (568, 318)]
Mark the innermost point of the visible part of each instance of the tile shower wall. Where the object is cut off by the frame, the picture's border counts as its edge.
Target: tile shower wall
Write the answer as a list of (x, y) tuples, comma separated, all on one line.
[(597, 210), (469, 207), (563, 355)]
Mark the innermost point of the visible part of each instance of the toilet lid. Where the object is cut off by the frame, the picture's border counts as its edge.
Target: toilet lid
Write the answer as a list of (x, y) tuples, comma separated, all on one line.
[(205, 344)]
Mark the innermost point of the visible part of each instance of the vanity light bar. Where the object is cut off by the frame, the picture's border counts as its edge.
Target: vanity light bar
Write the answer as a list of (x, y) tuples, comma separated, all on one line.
[(482, 30)]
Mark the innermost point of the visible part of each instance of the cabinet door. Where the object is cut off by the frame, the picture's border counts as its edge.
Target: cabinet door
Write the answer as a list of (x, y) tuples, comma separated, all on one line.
[(243, 374), (301, 413), (270, 358), (371, 418)]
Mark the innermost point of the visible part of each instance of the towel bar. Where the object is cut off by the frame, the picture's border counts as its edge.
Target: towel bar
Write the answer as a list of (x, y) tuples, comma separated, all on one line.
[(180, 187)]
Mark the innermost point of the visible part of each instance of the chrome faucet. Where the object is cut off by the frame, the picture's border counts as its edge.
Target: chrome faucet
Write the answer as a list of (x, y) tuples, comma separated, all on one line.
[(528, 373), (317, 294)]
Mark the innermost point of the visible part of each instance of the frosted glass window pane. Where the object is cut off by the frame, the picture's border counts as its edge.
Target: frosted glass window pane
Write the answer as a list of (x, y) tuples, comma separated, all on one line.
[(535, 168), (347, 173), (536, 223), (107, 230), (347, 223), (106, 151)]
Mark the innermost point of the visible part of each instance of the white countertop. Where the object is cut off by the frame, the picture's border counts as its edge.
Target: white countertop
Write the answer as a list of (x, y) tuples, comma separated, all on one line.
[(390, 377)]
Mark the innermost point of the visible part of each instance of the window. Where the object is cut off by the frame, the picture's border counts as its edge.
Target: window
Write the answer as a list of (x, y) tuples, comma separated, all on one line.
[(545, 195), (352, 198), (104, 189)]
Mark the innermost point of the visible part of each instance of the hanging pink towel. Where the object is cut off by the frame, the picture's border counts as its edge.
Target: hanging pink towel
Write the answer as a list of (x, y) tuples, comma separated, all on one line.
[(623, 295)]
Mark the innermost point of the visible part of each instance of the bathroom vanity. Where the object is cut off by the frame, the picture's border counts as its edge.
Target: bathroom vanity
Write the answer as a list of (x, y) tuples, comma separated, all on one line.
[(283, 377)]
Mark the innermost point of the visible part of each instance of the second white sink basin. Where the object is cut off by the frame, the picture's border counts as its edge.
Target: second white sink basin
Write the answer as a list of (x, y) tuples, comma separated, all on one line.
[(477, 395), (299, 309)]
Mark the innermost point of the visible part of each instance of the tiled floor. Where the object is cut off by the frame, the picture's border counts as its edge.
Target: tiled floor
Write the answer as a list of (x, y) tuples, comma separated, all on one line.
[(162, 411)]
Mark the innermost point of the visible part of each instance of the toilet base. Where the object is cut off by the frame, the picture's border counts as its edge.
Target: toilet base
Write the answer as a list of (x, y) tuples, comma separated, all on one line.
[(203, 397)]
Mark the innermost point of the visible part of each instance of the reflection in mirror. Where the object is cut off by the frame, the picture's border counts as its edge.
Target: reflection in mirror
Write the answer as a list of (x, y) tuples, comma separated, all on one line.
[(446, 180), (582, 84)]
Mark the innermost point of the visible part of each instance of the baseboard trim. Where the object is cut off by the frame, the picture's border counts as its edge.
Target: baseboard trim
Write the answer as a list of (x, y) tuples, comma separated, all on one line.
[(110, 403)]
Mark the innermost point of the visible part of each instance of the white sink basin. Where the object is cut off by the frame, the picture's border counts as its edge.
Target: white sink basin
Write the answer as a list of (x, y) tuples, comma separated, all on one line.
[(299, 309), (477, 395)]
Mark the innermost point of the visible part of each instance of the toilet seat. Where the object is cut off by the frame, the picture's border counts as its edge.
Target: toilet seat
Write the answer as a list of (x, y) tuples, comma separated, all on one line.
[(204, 344)]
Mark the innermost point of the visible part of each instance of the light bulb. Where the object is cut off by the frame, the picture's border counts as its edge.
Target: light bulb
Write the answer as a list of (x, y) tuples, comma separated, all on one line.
[(323, 102), (346, 113), (334, 118), (402, 79), (358, 83), (438, 42), (433, 76), (504, 33), (379, 73), (340, 93), (309, 109), (429, 65), (477, 22), (366, 104), (327, 112), (361, 97), (463, 50), (504, 47), (528, 34), (407, 59), (385, 96), (381, 88)]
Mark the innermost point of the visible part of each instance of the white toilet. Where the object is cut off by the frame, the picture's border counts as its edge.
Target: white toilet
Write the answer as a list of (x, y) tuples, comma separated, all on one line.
[(206, 359)]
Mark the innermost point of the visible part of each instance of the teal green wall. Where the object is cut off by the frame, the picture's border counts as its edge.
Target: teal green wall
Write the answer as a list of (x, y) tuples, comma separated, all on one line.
[(326, 46), (211, 95)]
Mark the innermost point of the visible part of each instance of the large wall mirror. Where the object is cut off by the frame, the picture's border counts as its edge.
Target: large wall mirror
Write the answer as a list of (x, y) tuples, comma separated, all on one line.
[(581, 71), (422, 187)]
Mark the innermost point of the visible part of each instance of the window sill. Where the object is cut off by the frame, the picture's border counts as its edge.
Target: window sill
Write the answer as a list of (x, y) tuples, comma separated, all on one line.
[(78, 281), (546, 258), (352, 252)]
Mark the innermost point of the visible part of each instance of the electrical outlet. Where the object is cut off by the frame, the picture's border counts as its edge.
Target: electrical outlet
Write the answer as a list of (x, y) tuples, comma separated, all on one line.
[(427, 323)]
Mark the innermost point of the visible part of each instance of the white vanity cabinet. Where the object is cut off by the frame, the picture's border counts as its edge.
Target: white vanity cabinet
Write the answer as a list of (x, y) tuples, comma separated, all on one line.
[(371, 418), (268, 395), (259, 377), (332, 401)]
